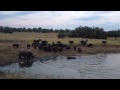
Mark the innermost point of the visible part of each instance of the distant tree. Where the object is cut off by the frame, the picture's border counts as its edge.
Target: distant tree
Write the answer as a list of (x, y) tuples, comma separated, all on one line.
[(39, 29), (88, 32), (114, 33), (61, 35), (7, 30), (51, 30)]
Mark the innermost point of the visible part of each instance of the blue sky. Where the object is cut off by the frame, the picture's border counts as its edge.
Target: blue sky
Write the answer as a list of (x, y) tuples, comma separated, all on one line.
[(109, 20)]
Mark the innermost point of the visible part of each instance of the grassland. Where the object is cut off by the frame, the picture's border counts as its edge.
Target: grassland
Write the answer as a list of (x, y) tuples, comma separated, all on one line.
[(51, 37), (8, 54)]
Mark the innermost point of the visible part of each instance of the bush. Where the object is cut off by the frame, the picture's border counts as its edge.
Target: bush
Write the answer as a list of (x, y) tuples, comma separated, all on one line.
[(61, 35)]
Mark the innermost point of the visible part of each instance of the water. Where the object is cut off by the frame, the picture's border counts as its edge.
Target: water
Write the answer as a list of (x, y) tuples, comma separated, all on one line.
[(98, 66)]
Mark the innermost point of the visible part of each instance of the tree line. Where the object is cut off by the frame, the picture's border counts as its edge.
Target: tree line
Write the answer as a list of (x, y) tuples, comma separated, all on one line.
[(83, 32), (90, 32), (43, 30)]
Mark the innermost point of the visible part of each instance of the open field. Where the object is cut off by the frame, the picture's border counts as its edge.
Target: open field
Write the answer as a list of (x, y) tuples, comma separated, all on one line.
[(51, 37)]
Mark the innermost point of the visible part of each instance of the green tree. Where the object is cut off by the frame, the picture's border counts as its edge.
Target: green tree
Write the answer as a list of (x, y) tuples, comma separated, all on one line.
[(61, 35)]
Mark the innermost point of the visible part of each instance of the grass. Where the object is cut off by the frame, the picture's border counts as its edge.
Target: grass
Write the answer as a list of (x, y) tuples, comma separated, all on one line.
[(51, 37), (4, 75), (26, 36), (12, 76), (7, 54)]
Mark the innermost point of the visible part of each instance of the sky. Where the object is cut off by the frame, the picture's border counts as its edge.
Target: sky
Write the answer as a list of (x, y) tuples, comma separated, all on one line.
[(108, 20)]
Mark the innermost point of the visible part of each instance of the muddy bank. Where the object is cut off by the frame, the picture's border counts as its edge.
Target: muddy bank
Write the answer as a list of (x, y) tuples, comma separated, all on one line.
[(8, 54)]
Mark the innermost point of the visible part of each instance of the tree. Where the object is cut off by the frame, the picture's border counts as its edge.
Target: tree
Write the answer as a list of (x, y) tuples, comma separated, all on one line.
[(61, 35)]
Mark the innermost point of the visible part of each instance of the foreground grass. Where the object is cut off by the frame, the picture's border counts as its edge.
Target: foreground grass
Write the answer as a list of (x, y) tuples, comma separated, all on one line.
[(14, 76)]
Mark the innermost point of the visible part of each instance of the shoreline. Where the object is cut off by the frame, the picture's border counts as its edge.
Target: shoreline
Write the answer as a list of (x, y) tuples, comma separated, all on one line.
[(11, 56)]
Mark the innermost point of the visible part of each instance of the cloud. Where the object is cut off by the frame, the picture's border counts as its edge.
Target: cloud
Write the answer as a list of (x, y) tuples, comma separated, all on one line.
[(55, 13), (9, 14), (60, 19), (88, 18)]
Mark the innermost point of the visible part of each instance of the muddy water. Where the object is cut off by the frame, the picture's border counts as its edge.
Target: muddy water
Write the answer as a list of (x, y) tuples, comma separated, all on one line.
[(98, 66)]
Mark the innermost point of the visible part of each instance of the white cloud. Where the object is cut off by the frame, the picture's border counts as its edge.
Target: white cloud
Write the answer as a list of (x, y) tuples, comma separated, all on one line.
[(61, 19), (8, 12)]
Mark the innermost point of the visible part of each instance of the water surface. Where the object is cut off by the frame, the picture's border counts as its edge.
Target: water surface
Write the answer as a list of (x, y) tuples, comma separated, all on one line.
[(98, 66)]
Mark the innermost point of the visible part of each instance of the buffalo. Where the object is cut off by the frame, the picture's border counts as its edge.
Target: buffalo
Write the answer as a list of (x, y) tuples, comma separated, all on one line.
[(26, 54), (71, 42), (58, 42), (104, 42), (28, 45), (79, 49), (83, 42), (74, 47), (68, 48), (90, 45), (15, 45), (35, 44)]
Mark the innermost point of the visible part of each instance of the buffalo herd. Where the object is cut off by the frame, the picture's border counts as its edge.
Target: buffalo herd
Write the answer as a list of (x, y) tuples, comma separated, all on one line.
[(43, 46)]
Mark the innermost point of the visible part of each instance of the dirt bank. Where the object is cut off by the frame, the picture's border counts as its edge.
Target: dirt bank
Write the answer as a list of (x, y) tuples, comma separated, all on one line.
[(8, 54)]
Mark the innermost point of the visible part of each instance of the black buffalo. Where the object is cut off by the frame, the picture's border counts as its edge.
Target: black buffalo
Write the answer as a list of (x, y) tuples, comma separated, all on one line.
[(71, 42), (83, 42), (104, 42), (15, 45), (90, 45), (68, 48), (79, 49), (26, 54), (28, 45), (74, 47), (58, 42)]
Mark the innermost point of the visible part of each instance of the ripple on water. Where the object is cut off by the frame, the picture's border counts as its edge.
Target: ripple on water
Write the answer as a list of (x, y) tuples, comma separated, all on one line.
[(98, 66)]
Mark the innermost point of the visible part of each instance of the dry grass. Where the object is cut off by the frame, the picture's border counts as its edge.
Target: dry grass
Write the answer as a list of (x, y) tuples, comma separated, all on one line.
[(51, 37), (14, 76), (26, 36), (7, 54)]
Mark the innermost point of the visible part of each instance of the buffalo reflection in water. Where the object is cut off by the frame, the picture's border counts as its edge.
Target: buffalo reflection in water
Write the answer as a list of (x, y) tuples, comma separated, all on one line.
[(26, 63)]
